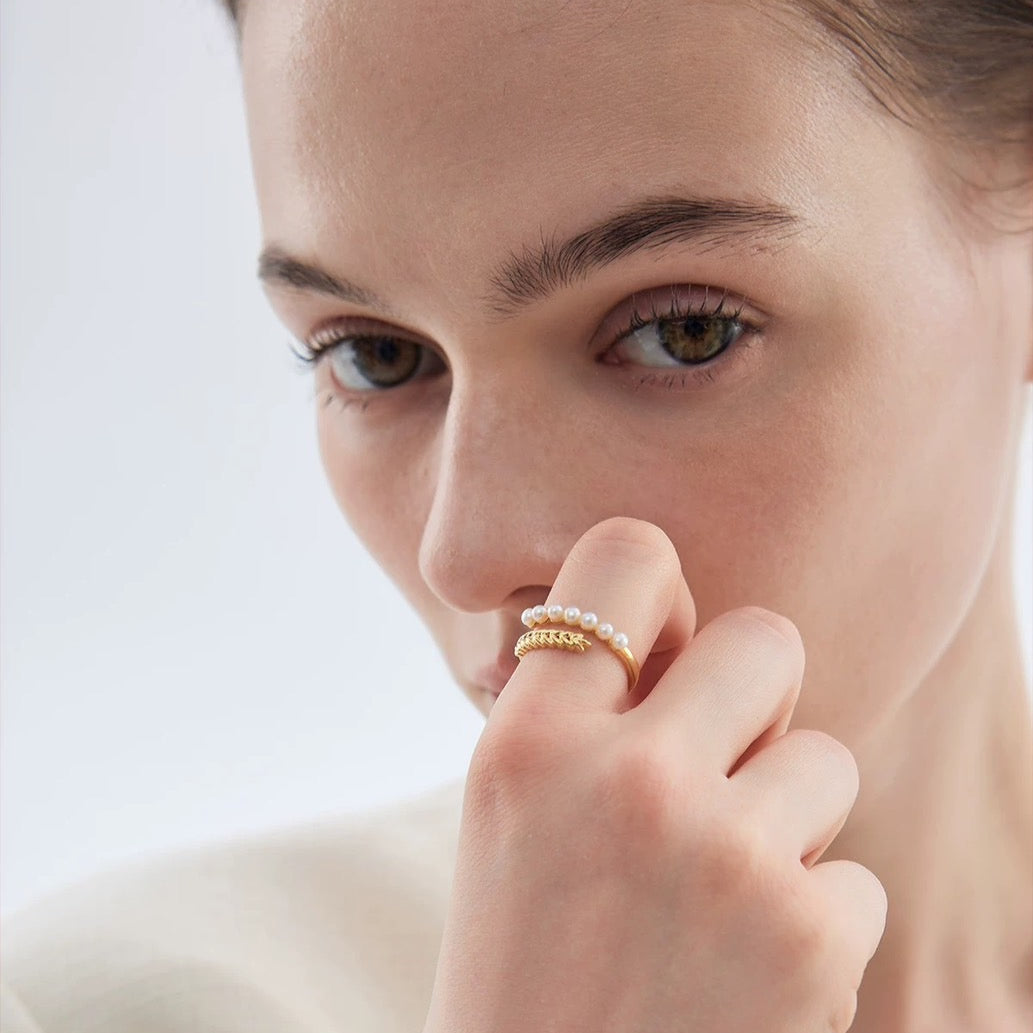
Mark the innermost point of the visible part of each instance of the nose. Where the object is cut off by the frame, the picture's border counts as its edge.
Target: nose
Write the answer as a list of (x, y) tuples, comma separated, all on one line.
[(506, 507)]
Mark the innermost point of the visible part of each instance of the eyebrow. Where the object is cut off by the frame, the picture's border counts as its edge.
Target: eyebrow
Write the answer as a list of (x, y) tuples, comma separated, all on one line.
[(278, 268), (539, 271)]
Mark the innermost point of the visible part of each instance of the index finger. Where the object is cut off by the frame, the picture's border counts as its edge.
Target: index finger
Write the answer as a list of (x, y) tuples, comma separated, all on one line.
[(627, 573)]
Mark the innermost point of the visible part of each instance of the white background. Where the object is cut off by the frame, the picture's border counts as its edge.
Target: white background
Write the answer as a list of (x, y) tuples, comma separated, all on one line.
[(193, 643)]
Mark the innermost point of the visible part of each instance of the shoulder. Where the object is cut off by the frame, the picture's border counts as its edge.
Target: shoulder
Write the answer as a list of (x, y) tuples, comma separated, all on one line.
[(334, 923)]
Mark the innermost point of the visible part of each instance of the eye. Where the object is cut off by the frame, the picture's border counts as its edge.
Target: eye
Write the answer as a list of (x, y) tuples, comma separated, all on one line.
[(693, 340), (692, 330), (370, 362)]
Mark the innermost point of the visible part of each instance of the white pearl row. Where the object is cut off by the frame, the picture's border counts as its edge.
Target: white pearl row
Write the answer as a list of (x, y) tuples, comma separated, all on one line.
[(571, 615)]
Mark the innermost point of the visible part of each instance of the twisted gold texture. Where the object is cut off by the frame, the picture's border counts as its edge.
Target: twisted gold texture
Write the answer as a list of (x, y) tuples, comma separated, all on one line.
[(572, 642)]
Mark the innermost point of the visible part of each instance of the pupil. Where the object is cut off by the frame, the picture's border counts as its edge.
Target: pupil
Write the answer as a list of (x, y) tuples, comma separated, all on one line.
[(386, 351)]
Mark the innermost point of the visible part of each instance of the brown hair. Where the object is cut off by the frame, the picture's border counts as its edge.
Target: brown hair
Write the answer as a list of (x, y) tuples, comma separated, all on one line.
[(962, 68)]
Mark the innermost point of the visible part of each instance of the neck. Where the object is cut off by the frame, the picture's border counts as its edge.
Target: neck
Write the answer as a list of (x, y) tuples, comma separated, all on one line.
[(944, 818)]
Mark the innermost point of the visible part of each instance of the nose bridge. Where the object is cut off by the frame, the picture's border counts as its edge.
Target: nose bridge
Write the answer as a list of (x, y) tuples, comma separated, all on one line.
[(492, 528)]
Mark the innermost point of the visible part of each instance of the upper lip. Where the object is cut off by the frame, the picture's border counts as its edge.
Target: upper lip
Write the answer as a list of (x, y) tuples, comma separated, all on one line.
[(494, 676)]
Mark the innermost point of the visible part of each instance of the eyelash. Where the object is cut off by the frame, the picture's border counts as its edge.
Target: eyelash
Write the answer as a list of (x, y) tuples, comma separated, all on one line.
[(324, 341)]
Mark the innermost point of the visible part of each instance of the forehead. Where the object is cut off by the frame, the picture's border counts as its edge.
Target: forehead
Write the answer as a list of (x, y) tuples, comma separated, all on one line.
[(405, 134)]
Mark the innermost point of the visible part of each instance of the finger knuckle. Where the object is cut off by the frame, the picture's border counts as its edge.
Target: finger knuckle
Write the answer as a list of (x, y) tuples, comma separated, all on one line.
[(808, 939), (638, 789), (827, 750), (875, 891), (842, 1012), (856, 894), (512, 749), (734, 857)]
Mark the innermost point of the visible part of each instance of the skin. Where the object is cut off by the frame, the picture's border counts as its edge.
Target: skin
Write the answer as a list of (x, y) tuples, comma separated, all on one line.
[(850, 465)]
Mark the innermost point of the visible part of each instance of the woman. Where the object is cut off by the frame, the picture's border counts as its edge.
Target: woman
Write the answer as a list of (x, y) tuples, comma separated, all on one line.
[(708, 325)]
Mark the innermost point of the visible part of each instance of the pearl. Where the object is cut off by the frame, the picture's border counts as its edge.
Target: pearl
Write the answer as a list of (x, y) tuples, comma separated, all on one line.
[(527, 617), (571, 615), (589, 621), (620, 641), (555, 614), (538, 613), (604, 631)]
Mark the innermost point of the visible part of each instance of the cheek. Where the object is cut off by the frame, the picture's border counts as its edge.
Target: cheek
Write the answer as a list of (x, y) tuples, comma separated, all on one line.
[(942, 432), (380, 485), (864, 503)]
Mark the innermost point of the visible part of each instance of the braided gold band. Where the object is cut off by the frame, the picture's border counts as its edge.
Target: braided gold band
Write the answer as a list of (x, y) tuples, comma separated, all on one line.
[(573, 642)]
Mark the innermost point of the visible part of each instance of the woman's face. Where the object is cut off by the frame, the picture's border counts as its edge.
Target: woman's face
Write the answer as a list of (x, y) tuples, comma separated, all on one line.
[(495, 194)]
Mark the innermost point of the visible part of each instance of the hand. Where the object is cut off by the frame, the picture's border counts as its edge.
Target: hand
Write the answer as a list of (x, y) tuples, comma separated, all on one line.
[(651, 868)]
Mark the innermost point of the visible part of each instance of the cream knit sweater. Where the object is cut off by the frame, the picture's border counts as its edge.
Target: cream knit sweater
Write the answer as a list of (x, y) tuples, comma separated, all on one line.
[(331, 926)]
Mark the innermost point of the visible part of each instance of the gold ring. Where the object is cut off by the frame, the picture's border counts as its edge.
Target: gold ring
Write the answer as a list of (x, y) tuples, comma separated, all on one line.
[(573, 642)]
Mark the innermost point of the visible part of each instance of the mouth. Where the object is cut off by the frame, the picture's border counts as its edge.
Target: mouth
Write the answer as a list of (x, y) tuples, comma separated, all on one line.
[(492, 678)]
